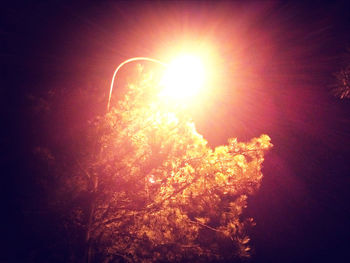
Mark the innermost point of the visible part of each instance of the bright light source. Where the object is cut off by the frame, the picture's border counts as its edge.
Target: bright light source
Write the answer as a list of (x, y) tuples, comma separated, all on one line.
[(183, 78)]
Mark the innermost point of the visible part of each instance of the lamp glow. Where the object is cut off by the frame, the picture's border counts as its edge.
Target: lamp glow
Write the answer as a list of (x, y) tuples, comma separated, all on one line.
[(183, 78)]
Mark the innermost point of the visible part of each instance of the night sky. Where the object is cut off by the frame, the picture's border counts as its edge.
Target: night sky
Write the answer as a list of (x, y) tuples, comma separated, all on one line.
[(275, 76)]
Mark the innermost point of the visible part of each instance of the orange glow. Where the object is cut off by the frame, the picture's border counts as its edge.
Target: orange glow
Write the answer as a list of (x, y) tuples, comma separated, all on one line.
[(183, 78)]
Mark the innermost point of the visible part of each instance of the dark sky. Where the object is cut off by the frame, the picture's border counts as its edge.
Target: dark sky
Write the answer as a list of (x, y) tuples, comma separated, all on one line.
[(276, 66)]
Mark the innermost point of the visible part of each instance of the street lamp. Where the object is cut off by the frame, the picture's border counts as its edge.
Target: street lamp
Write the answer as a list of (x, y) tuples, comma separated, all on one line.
[(182, 79)]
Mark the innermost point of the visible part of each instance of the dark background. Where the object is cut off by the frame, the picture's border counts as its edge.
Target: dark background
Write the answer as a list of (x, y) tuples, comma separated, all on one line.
[(277, 64)]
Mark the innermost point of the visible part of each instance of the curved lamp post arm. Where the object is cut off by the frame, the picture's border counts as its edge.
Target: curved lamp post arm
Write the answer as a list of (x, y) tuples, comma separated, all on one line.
[(122, 64)]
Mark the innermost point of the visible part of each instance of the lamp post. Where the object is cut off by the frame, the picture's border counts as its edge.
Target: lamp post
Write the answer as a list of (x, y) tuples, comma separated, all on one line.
[(122, 64)]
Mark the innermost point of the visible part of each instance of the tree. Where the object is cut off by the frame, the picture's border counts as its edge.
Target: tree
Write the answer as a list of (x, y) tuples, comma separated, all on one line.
[(141, 184), (343, 83), (342, 86)]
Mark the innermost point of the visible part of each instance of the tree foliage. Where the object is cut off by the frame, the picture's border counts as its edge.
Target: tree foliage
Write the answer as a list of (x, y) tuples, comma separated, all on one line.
[(342, 86), (144, 186)]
